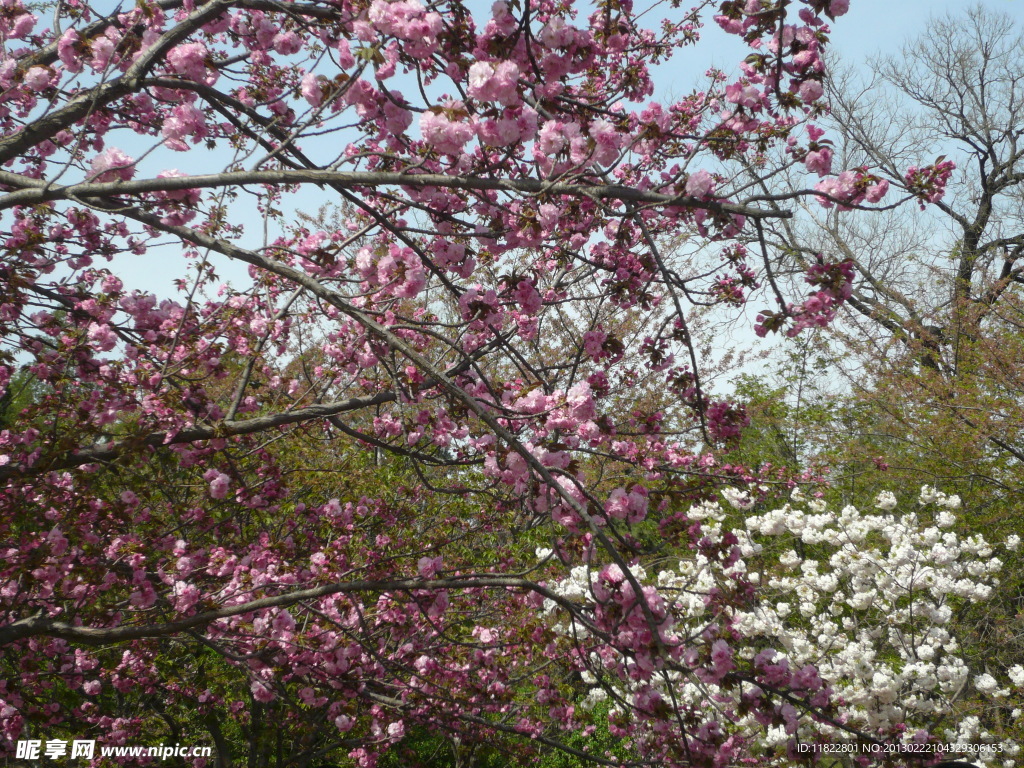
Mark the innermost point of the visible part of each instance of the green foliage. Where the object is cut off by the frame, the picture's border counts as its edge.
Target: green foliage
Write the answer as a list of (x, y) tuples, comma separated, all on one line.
[(600, 742), (791, 409), (22, 390), (426, 749)]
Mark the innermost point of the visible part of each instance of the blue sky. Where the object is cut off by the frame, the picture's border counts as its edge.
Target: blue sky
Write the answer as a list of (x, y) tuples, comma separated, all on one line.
[(870, 27), (874, 26)]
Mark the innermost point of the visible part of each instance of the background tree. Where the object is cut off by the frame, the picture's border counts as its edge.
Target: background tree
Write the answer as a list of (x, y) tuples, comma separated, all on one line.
[(932, 286), (920, 376)]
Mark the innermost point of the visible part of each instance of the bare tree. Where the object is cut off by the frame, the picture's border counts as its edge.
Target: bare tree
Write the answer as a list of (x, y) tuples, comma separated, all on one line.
[(931, 279)]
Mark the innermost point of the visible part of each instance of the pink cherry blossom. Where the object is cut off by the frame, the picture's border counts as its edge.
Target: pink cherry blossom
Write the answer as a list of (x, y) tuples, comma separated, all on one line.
[(494, 82), (287, 43), (184, 121), (551, 138), (69, 56), (312, 89), (444, 134), (743, 95), (838, 7), (819, 161), (37, 78), (429, 566), (219, 483), (189, 60), (102, 49), (876, 191), (22, 25), (810, 90), (112, 165), (700, 184), (528, 298)]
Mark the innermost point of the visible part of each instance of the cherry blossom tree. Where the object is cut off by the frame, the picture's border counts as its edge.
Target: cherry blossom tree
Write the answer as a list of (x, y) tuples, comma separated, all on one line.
[(192, 521)]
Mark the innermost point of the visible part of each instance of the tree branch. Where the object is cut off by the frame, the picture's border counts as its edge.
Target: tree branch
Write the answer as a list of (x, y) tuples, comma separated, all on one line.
[(111, 451), (33, 191), (39, 625)]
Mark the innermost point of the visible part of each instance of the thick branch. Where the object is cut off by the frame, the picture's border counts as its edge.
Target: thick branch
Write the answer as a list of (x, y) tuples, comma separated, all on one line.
[(82, 104), (34, 191), (39, 625), (111, 451)]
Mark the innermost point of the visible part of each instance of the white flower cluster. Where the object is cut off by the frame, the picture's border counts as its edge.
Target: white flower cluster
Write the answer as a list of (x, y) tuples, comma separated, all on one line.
[(875, 606), (929, 495), (738, 499), (865, 599)]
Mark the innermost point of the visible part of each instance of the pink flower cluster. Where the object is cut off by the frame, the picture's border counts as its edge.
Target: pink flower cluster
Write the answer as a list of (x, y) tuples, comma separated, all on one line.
[(494, 82), (700, 184), (112, 165), (726, 421), (629, 506), (407, 20), (184, 121), (819, 155), (447, 130), (850, 188), (399, 272), (929, 182), (189, 61), (835, 283)]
